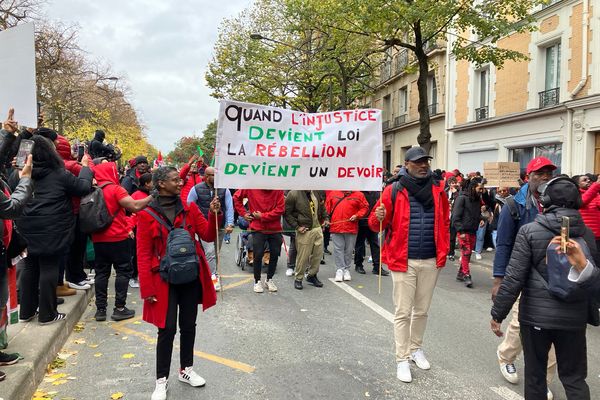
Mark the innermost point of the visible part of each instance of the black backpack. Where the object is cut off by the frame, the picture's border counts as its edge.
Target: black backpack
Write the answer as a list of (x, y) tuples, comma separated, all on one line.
[(180, 263), (93, 213)]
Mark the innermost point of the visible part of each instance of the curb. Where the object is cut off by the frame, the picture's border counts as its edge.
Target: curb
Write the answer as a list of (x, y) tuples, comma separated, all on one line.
[(39, 346)]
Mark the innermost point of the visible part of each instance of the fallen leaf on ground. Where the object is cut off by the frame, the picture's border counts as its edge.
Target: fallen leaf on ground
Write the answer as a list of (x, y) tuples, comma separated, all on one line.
[(93, 346), (98, 355), (137, 322), (79, 341), (125, 338), (79, 327), (360, 287), (135, 365), (59, 382), (63, 355), (116, 396), (128, 355)]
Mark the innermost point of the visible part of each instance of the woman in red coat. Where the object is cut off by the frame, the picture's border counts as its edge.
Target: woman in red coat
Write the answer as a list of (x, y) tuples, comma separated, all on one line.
[(163, 300)]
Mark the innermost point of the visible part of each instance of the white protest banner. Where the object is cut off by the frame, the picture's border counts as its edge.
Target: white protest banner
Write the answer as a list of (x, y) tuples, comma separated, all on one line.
[(17, 74), (260, 147)]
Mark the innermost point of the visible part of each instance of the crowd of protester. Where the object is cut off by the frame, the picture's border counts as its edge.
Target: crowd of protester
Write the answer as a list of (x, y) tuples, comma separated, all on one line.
[(422, 217)]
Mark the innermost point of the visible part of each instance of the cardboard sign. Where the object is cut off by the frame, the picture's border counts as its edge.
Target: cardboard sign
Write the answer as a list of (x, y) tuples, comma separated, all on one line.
[(260, 147), (502, 174), (17, 74)]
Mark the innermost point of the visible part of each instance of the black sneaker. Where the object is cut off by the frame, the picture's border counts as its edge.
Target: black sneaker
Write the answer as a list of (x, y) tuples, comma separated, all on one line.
[(312, 279), (360, 269), (468, 281), (460, 276), (59, 317), (8, 359), (28, 319), (121, 314), (384, 272), (297, 284), (327, 252), (60, 300), (322, 261), (100, 315)]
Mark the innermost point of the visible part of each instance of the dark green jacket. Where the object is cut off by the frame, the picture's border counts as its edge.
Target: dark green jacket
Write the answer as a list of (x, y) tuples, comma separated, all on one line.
[(297, 210)]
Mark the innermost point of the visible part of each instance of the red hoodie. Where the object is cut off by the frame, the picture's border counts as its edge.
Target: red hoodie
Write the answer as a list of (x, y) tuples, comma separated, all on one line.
[(189, 181), (113, 192), (590, 209), (270, 203)]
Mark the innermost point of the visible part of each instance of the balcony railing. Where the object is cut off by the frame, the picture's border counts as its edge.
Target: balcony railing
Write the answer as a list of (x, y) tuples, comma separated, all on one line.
[(549, 98), (386, 71), (433, 109), (386, 125), (399, 120), (481, 113), (401, 61)]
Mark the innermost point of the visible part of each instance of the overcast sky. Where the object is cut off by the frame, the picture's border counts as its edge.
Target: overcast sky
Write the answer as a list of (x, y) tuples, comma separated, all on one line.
[(162, 48)]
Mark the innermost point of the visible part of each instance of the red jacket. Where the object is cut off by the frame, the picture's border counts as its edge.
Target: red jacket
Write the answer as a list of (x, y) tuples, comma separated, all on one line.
[(151, 247), (271, 203), (189, 181), (395, 246), (63, 148), (354, 203), (590, 209)]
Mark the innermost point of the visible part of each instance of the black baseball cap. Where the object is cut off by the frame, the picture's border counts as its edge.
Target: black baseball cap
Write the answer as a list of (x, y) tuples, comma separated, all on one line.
[(416, 153)]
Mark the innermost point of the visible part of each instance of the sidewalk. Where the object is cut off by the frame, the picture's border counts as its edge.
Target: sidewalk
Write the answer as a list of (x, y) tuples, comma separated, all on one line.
[(39, 346)]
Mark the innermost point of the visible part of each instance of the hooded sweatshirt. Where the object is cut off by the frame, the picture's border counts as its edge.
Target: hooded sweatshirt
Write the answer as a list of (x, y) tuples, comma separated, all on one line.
[(270, 203), (106, 173)]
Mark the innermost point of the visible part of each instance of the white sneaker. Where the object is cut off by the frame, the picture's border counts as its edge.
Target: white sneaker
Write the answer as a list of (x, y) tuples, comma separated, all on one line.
[(489, 249), (258, 287), (289, 272), (509, 371), (419, 358), (271, 285), (191, 378), (160, 391), (79, 286), (339, 275), (347, 276), (370, 259), (89, 281), (549, 395), (216, 282), (403, 372), (477, 256), (134, 283)]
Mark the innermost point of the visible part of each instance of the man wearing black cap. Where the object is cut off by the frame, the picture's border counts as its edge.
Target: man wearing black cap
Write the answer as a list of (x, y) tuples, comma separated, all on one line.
[(131, 181), (415, 213)]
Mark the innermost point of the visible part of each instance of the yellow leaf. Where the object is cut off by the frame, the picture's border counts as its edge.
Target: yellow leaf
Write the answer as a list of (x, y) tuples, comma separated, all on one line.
[(59, 382), (128, 355), (93, 346), (137, 322), (116, 396), (79, 341), (98, 355)]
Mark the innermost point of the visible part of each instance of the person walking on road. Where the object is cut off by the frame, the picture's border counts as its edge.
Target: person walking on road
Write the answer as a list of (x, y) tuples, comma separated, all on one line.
[(345, 209), (265, 209), (305, 214), (163, 301), (466, 219), (518, 211), (414, 212)]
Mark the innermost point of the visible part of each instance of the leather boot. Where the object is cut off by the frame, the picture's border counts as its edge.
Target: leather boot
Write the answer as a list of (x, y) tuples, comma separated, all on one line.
[(65, 290)]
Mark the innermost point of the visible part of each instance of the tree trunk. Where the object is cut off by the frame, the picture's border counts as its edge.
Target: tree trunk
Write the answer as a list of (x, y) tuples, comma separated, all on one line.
[(424, 138)]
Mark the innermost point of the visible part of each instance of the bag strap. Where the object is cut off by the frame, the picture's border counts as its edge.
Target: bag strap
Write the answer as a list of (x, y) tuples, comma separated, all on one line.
[(538, 273), (105, 185), (335, 206), (160, 220), (512, 207)]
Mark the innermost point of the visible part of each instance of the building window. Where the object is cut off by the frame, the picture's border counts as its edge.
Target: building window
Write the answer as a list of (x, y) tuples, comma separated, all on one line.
[(387, 111), (550, 96), (432, 95), (402, 106), (551, 151), (482, 109)]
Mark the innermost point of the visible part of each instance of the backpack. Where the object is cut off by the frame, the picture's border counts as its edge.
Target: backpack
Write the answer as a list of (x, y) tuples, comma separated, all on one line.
[(93, 213), (180, 263), (558, 267)]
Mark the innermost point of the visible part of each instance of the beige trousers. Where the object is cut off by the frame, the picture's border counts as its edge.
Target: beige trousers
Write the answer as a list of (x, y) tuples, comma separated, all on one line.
[(511, 346), (309, 248), (413, 291)]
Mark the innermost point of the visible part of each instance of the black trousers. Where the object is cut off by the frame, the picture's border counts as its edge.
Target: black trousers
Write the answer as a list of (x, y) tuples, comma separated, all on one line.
[(75, 272), (452, 240), (326, 237), (364, 233), (571, 359), (110, 254), (183, 298), (258, 248), (37, 287), (292, 252), (133, 252)]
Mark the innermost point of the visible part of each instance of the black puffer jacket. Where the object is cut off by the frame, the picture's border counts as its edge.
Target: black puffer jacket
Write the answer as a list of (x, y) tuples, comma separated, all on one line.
[(48, 222), (466, 214), (538, 307)]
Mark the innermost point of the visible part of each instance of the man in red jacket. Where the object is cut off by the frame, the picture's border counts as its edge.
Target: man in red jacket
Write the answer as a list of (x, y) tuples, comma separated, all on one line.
[(191, 176), (345, 209), (415, 247), (590, 208), (265, 208)]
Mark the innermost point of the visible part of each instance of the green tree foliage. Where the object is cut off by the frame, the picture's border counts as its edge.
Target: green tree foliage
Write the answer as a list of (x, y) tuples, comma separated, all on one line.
[(187, 146)]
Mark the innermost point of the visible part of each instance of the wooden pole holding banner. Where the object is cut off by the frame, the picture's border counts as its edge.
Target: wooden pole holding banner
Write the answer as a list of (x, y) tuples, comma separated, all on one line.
[(218, 249), (380, 242)]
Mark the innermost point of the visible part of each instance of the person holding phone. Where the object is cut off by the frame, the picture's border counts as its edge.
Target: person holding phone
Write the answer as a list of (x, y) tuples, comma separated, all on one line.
[(47, 227)]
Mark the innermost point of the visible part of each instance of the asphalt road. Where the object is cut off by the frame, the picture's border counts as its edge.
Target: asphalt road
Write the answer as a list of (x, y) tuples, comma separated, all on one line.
[(335, 342)]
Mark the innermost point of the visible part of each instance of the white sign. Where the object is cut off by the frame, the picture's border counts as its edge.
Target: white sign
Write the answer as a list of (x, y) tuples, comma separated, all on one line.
[(261, 147), (17, 74)]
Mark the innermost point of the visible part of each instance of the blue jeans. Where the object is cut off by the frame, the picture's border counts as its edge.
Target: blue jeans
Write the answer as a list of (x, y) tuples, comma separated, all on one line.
[(494, 236), (480, 238)]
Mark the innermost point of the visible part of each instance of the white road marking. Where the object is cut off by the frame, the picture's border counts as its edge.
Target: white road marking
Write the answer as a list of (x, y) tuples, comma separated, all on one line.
[(365, 300), (501, 391), (506, 393)]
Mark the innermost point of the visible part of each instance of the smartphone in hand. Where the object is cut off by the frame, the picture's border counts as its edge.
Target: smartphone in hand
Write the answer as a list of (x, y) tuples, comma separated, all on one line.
[(564, 234), (80, 152), (25, 149)]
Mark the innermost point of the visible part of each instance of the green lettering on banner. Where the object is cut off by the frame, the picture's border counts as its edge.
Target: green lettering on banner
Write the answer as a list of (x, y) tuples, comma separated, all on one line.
[(230, 168), (259, 133)]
